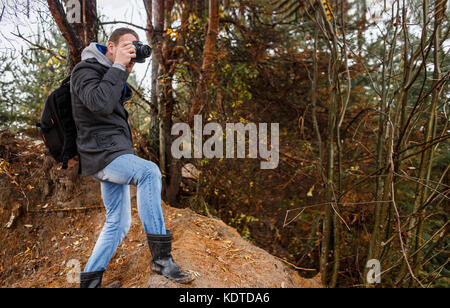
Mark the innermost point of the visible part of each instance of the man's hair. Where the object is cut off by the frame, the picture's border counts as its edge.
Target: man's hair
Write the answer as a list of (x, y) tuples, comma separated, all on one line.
[(118, 33)]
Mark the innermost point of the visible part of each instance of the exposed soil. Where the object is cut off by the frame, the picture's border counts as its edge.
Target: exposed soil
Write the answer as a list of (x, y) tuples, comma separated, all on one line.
[(54, 216)]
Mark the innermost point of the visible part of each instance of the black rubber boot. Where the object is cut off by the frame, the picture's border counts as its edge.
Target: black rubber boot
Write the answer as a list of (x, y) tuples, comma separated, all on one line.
[(92, 280), (162, 261)]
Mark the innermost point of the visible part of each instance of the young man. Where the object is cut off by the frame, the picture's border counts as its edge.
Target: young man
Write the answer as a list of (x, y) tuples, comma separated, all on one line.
[(99, 90)]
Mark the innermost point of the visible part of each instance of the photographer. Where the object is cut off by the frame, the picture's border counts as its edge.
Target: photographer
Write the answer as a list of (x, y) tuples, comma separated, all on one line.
[(99, 90)]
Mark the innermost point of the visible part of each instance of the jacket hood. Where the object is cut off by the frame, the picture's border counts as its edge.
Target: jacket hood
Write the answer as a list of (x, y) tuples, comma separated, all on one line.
[(97, 51)]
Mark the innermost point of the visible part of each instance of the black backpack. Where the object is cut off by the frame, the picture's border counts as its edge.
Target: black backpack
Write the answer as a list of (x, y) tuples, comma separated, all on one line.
[(57, 127)]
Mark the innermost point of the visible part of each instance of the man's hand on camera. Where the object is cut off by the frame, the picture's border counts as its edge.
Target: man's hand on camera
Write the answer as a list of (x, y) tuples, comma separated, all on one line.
[(125, 52)]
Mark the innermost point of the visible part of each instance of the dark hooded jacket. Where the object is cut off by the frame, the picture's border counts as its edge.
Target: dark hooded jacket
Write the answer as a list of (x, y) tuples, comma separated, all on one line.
[(99, 90)]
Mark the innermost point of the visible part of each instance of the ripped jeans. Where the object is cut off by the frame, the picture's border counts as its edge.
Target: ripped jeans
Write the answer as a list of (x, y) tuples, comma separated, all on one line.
[(115, 179)]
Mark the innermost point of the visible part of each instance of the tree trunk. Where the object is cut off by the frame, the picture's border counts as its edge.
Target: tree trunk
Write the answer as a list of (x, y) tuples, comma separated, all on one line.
[(331, 194), (209, 55), (428, 155), (172, 52), (166, 54), (157, 129), (78, 35), (88, 28), (154, 37), (380, 230)]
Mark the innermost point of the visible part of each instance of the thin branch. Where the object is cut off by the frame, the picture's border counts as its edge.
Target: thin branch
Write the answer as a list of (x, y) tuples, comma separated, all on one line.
[(75, 209), (56, 55), (127, 23), (296, 267), (142, 97), (394, 203)]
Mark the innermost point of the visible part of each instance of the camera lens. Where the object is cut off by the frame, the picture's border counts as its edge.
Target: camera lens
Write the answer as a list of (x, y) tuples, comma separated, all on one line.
[(142, 52), (146, 51)]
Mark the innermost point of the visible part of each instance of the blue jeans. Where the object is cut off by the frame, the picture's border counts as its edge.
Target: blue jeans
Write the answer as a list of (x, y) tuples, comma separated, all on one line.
[(115, 179)]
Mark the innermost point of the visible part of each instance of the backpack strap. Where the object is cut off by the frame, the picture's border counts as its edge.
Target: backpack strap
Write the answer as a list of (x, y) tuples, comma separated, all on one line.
[(69, 148), (65, 162), (66, 81), (79, 164)]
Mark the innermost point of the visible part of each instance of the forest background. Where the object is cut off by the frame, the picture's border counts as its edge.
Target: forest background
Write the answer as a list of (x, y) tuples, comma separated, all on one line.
[(359, 87)]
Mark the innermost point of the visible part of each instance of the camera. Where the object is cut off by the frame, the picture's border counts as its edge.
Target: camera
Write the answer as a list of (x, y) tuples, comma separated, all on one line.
[(142, 52)]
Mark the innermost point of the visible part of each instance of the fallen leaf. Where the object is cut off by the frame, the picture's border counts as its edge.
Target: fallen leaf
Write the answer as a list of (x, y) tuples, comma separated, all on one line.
[(310, 192), (11, 221)]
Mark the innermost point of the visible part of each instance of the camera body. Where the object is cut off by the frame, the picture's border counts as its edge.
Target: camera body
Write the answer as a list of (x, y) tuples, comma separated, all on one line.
[(142, 52)]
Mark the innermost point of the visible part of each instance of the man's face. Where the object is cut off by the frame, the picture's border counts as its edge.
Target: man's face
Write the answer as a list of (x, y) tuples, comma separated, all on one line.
[(112, 48)]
